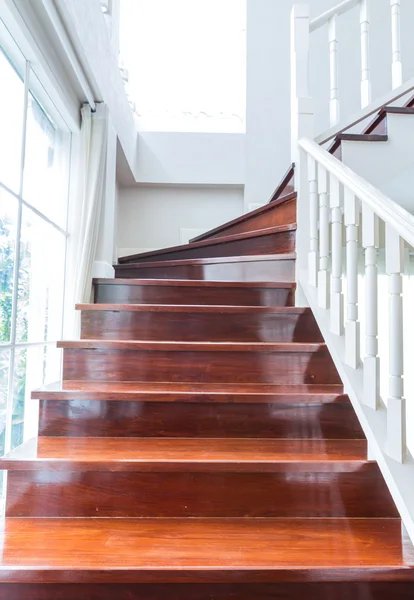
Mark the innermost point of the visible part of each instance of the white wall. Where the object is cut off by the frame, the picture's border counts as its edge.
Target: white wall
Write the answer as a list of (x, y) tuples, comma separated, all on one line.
[(152, 217), (268, 78), (190, 158)]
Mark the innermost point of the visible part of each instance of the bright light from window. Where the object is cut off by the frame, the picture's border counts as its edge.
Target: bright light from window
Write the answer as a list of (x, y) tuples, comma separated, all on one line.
[(186, 62)]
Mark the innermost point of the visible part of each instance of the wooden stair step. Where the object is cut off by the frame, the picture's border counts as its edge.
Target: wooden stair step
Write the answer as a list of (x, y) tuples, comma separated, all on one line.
[(190, 392), (259, 362), (176, 291), (190, 454), (198, 323), (379, 124), (271, 240), (280, 211), (271, 267), (203, 550)]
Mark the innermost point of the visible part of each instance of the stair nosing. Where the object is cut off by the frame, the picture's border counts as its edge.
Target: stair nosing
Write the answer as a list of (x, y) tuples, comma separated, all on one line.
[(207, 261)]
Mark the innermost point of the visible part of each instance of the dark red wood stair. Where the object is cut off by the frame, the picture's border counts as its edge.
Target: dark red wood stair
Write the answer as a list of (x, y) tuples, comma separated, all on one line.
[(200, 445)]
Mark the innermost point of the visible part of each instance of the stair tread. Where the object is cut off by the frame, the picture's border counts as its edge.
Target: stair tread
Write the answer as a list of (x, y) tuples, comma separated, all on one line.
[(210, 242), (120, 453), (208, 261), (216, 549), (136, 345), (270, 206), (196, 308), (196, 283), (120, 390)]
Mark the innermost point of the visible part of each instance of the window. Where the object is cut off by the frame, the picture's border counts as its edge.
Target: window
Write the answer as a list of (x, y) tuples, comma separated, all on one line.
[(34, 184)]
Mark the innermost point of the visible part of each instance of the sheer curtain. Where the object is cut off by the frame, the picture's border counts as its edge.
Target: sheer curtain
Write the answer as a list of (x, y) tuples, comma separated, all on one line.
[(90, 194)]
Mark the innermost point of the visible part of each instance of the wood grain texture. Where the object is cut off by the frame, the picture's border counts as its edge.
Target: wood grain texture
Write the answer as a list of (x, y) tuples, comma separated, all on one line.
[(164, 291), (186, 454), (266, 419), (214, 591), (191, 392), (281, 211), (258, 363), (274, 267), (357, 492), (198, 323), (272, 240), (226, 550)]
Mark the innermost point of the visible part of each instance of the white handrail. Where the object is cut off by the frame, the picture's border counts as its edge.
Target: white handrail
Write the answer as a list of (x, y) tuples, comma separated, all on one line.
[(337, 10), (390, 212)]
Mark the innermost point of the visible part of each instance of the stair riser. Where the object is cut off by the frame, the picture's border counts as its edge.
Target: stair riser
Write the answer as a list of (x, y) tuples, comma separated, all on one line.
[(199, 366), (280, 215), (261, 270), (199, 326), (213, 591), (146, 294), (96, 418), (276, 243), (361, 493)]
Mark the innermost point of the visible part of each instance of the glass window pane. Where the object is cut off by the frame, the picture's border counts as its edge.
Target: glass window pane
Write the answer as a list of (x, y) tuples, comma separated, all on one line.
[(11, 124), (41, 280), (19, 396), (46, 167), (4, 378), (8, 219)]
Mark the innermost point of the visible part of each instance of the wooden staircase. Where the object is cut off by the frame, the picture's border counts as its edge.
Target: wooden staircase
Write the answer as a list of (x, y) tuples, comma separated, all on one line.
[(200, 445)]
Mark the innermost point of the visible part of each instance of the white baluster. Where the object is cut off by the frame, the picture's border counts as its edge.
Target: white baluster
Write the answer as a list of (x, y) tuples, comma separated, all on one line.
[(396, 417), (396, 43), (323, 274), (352, 335), (370, 238), (365, 65), (333, 70), (337, 300), (313, 254)]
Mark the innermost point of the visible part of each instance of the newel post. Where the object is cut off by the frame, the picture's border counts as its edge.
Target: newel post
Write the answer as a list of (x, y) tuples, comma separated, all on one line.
[(301, 123)]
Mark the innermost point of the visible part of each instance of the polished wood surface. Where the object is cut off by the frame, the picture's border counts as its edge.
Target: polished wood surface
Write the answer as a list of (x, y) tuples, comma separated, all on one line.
[(212, 362), (198, 323), (200, 447), (286, 186), (204, 550), (210, 591), (279, 212), (272, 240), (164, 291), (274, 267), (359, 492), (185, 454), (264, 416)]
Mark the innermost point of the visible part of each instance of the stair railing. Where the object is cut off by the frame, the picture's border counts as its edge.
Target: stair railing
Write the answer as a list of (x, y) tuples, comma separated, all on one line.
[(353, 259)]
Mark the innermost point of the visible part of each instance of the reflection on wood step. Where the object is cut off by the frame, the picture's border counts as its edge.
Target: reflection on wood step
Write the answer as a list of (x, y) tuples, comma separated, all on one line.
[(203, 550), (198, 323), (286, 363), (273, 267), (271, 240), (164, 291), (186, 454)]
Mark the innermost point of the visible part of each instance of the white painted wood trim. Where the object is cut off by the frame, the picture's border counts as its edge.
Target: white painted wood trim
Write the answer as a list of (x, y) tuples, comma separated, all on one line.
[(337, 10), (386, 209), (366, 91)]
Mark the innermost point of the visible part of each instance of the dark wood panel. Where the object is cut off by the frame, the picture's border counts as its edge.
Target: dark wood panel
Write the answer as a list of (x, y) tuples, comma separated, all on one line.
[(359, 493), (191, 392), (282, 367), (275, 240), (195, 324), (214, 591), (263, 268), (204, 550), (99, 418), (186, 455), (279, 212), (147, 292)]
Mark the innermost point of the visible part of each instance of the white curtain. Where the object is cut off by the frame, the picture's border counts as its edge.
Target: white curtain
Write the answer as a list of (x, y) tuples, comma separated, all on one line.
[(91, 193)]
